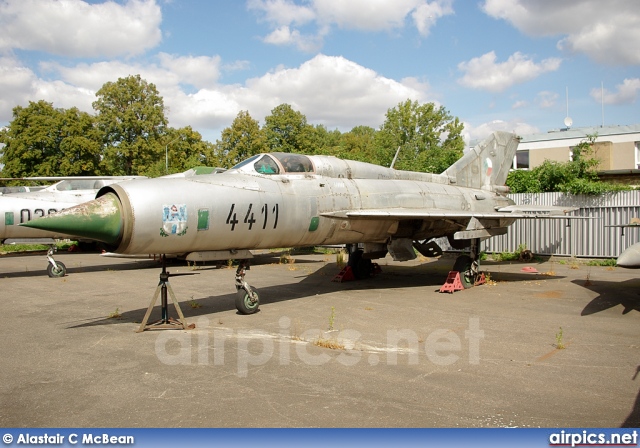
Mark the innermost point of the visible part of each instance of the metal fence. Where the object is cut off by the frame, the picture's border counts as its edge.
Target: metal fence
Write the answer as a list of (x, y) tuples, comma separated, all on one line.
[(576, 237)]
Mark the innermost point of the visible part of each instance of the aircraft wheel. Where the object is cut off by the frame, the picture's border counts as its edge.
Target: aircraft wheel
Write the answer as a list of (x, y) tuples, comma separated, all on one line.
[(245, 304), (361, 267), (59, 270), (463, 266)]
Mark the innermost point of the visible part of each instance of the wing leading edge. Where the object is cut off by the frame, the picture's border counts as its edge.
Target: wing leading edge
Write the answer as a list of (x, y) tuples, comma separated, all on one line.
[(509, 212)]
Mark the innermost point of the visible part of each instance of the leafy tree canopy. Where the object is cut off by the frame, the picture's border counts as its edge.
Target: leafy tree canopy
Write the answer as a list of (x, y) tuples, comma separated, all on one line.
[(241, 140), (287, 130), (44, 141), (429, 138), (132, 121)]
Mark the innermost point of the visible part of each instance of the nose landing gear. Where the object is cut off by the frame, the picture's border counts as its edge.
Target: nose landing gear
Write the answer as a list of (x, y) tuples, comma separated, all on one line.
[(55, 268), (247, 297)]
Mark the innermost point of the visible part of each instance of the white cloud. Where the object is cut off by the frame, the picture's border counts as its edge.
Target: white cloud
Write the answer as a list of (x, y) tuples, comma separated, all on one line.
[(198, 71), (474, 134), (332, 91), (283, 35), (169, 72), (283, 12), (79, 29), (546, 100), (329, 90), (519, 104), (626, 93), (486, 74), (426, 15), (607, 32), (366, 15), (236, 66), (20, 85), (286, 17)]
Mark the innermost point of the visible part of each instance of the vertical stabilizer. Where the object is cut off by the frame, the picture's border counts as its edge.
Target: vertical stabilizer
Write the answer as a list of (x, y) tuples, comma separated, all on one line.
[(487, 164)]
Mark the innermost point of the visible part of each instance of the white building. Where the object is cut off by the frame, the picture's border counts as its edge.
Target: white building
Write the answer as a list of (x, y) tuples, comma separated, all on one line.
[(616, 147)]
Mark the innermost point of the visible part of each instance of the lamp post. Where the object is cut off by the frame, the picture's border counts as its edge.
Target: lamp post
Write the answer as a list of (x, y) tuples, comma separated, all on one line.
[(166, 155)]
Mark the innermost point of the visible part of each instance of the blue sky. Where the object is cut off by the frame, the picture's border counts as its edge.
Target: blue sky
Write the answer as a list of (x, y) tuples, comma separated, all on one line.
[(495, 64)]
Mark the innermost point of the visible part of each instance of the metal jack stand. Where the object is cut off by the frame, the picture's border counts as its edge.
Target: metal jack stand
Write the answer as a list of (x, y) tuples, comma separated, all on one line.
[(163, 290)]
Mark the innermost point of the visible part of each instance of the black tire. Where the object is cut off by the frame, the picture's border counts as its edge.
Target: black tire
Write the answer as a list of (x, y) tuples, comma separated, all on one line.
[(59, 270), (463, 266), (361, 267), (244, 304)]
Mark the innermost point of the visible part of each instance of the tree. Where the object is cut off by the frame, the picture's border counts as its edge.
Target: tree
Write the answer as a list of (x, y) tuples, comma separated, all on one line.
[(429, 138), (286, 130), (131, 118), (324, 141), (183, 149), (80, 148), (360, 144), (241, 140), (44, 141)]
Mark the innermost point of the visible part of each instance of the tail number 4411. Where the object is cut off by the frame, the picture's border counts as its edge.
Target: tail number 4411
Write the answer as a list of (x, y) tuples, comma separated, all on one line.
[(268, 216)]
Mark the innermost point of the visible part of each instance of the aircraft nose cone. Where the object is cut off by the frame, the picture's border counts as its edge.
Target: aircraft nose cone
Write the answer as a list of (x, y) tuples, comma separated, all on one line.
[(630, 258), (99, 220)]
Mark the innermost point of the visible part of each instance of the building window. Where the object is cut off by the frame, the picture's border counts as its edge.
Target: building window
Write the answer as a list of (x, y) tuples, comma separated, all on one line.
[(521, 161), (638, 155)]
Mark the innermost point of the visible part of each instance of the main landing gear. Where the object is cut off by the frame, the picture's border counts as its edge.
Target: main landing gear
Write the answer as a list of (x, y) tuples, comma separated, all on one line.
[(360, 266), (55, 268), (247, 297), (469, 265)]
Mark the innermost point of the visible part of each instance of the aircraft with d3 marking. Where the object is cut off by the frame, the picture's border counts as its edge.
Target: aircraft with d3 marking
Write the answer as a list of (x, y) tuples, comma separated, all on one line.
[(22, 204), (292, 200), (19, 207)]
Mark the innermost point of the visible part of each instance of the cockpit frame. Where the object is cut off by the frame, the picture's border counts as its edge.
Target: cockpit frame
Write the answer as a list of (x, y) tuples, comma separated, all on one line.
[(277, 163)]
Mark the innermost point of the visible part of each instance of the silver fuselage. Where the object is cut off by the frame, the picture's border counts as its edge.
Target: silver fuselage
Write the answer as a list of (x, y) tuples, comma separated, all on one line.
[(244, 210)]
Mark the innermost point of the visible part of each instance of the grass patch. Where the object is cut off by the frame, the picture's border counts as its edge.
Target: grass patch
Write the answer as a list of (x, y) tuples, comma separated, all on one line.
[(518, 254), (610, 262), (559, 340), (16, 248), (332, 344)]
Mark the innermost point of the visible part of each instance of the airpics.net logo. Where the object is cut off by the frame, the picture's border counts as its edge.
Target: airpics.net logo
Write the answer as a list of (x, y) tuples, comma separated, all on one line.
[(590, 438), (208, 345)]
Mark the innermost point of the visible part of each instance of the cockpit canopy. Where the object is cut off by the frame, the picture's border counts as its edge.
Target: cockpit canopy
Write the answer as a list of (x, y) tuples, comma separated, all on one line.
[(79, 184), (277, 163)]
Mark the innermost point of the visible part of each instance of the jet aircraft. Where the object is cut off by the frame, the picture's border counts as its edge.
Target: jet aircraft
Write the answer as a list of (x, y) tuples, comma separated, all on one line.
[(630, 257), (27, 203), (292, 200)]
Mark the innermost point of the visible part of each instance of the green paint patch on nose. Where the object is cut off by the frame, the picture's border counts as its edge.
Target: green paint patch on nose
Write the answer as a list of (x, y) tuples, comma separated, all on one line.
[(99, 220)]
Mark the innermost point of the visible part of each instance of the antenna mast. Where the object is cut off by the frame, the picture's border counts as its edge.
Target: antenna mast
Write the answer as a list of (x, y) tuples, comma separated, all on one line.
[(568, 121)]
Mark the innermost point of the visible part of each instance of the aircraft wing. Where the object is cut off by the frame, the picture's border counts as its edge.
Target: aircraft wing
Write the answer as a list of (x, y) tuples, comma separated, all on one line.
[(510, 212)]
